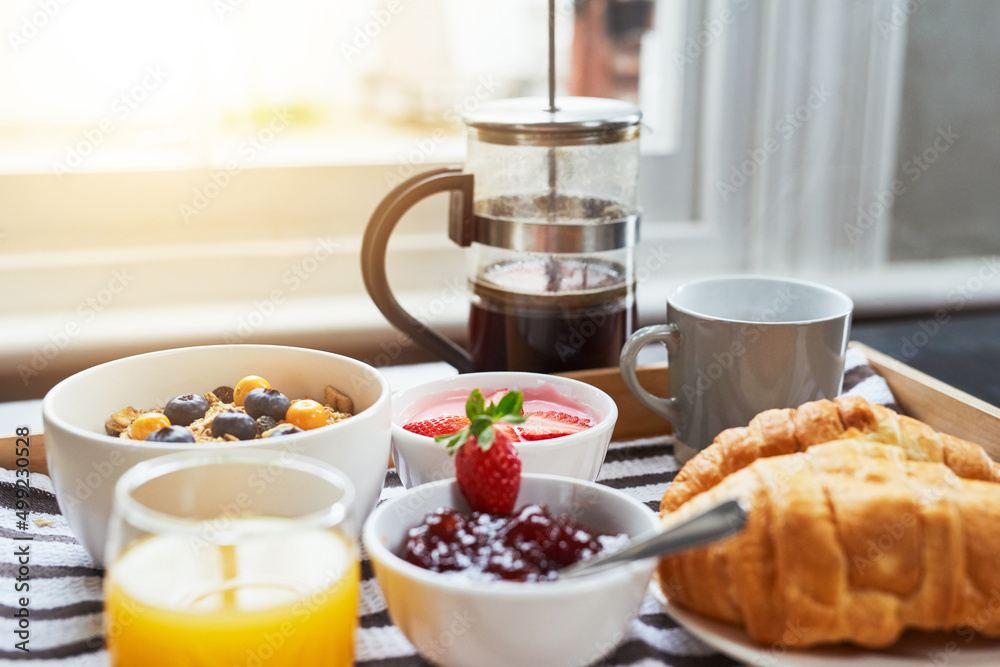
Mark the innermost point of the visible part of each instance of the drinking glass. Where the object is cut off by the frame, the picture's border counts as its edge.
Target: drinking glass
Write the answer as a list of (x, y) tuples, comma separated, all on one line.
[(247, 557)]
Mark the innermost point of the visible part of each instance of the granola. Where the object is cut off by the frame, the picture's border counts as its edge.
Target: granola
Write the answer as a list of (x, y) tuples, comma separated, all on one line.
[(336, 406)]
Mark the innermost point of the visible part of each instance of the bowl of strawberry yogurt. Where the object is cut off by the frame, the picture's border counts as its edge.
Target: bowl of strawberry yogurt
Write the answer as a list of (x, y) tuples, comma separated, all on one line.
[(566, 430)]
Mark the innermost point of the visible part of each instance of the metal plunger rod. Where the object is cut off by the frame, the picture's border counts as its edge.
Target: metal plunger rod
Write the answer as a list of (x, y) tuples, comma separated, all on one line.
[(552, 56), (553, 201)]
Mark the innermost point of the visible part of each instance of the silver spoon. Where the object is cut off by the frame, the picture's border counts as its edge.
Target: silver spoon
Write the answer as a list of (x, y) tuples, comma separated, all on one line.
[(720, 521)]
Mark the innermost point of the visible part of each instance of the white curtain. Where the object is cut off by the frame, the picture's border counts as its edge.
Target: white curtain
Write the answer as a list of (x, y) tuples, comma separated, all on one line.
[(800, 128)]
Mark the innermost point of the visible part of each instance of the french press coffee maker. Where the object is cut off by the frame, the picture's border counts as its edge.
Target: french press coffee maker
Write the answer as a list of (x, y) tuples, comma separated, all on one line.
[(547, 205)]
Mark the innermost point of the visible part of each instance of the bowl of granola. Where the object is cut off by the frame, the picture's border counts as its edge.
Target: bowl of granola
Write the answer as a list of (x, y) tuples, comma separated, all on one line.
[(102, 421)]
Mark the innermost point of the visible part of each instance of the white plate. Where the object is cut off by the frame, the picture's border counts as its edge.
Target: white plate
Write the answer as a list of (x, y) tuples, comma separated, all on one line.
[(926, 649)]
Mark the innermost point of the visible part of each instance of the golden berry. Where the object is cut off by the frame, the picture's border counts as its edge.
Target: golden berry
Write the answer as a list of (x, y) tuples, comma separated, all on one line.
[(146, 423), (306, 414), (246, 385)]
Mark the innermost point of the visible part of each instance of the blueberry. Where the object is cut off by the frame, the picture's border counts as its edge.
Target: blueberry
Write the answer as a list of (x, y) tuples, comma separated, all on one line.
[(238, 424), (270, 402), (186, 408), (285, 430), (171, 434)]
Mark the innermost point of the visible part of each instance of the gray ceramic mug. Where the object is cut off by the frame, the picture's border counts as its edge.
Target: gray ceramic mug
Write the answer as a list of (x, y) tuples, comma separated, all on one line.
[(738, 345)]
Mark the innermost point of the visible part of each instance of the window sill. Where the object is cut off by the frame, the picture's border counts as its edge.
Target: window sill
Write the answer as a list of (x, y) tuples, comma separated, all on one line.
[(39, 349)]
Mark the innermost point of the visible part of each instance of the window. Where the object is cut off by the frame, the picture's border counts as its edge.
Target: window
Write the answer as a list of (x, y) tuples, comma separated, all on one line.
[(949, 141), (202, 171)]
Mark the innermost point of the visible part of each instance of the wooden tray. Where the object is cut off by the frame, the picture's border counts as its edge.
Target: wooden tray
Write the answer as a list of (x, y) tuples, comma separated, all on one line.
[(919, 395)]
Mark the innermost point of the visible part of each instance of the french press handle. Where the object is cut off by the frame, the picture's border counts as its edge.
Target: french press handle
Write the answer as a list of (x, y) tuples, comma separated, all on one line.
[(376, 239)]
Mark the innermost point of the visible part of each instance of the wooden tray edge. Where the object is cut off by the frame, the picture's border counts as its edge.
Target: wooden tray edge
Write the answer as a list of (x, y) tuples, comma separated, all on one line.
[(635, 420), (37, 461)]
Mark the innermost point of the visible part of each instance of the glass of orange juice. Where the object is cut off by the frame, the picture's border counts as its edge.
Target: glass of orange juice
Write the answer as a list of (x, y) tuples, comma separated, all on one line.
[(244, 557)]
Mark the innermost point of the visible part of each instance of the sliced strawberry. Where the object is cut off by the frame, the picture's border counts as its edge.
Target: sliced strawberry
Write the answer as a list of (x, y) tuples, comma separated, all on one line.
[(438, 425), (545, 425), (509, 431)]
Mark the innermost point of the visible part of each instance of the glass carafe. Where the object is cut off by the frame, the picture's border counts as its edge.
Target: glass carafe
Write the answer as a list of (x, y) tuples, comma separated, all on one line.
[(547, 204)]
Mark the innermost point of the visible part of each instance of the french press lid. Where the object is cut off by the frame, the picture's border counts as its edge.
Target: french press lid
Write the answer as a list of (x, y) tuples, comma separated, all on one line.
[(574, 224), (577, 121)]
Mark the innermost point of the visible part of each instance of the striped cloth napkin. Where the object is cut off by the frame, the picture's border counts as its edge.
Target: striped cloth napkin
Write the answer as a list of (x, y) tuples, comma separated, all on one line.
[(65, 598)]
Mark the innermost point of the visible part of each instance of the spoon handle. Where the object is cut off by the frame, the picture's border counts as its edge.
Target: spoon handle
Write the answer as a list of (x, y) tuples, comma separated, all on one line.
[(720, 521)]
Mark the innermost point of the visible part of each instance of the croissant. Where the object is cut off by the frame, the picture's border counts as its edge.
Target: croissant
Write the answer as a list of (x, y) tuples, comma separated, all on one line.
[(785, 431), (848, 541)]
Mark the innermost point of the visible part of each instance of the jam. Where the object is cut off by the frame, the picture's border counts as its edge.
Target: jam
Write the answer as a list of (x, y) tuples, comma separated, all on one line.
[(530, 545)]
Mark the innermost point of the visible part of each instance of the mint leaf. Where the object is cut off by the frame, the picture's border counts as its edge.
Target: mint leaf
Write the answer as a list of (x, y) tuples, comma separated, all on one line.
[(510, 404), (485, 439), (454, 441), (513, 419), (482, 417), (480, 425), (476, 405)]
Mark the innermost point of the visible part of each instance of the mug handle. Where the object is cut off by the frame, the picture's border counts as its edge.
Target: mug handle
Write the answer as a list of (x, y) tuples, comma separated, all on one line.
[(669, 336), (376, 239)]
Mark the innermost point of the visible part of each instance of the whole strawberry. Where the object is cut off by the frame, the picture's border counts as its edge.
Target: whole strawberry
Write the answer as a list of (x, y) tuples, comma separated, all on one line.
[(487, 465)]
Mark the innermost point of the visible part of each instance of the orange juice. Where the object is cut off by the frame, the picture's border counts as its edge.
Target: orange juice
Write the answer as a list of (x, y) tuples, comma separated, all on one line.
[(288, 599)]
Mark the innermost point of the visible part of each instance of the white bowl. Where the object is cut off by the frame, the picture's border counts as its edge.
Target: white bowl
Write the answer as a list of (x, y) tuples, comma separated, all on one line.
[(419, 459), (452, 620), (85, 462)]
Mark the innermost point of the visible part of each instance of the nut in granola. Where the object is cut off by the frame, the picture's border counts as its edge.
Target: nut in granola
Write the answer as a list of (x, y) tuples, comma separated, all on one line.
[(119, 422), (338, 400)]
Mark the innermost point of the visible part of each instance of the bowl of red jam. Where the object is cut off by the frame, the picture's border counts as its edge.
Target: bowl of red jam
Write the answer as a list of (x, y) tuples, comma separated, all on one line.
[(477, 589), (566, 432), (531, 544)]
